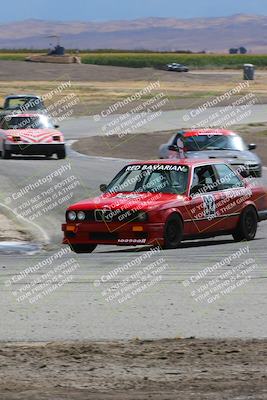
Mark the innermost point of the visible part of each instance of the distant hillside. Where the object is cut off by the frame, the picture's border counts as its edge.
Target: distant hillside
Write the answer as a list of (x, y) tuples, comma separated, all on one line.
[(211, 34)]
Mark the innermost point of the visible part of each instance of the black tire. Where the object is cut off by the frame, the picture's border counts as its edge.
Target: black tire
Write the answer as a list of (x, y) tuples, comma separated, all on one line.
[(173, 232), (83, 248), (5, 154), (61, 154), (247, 225)]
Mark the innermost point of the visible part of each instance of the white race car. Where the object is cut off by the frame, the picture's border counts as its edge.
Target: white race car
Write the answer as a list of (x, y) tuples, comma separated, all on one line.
[(30, 134)]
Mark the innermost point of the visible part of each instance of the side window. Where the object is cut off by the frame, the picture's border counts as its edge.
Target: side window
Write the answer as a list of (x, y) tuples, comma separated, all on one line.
[(227, 177), (204, 180)]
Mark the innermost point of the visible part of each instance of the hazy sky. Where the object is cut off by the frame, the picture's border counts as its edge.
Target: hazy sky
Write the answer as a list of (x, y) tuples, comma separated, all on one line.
[(125, 9)]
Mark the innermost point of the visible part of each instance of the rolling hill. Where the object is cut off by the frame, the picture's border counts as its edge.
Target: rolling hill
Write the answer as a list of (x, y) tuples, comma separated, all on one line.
[(210, 34)]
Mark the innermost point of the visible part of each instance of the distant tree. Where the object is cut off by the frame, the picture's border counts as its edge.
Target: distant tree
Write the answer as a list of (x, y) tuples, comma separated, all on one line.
[(242, 50)]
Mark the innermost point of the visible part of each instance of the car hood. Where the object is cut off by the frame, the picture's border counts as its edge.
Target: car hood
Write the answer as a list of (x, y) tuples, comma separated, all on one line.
[(230, 156), (127, 201)]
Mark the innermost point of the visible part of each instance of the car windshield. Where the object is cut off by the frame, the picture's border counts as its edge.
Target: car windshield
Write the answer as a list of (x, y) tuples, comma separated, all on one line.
[(32, 122), (155, 178), (214, 142), (29, 103)]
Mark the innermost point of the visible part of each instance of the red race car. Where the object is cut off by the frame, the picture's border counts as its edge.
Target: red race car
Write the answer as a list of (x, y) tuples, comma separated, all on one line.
[(165, 202)]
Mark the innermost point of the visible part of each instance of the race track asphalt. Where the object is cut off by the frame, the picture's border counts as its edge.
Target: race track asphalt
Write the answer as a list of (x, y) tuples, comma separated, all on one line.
[(80, 308), (75, 128)]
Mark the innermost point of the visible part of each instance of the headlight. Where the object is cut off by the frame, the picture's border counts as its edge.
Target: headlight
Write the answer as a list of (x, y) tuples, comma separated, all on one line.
[(71, 215), (81, 216), (142, 216)]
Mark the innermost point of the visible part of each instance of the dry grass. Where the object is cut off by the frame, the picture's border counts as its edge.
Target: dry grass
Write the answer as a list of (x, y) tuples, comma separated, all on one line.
[(182, 90)]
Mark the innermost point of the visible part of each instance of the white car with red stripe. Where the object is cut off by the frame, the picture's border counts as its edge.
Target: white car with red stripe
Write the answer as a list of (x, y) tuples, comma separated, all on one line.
[(30, 134)]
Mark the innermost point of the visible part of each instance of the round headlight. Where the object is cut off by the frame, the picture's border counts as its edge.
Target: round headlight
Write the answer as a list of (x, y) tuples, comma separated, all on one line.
[(81, 216), (71, 215), (142, 216)]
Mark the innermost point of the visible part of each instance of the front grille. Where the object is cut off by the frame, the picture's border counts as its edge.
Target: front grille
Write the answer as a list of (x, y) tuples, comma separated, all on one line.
[(116, 215), (253, 166)]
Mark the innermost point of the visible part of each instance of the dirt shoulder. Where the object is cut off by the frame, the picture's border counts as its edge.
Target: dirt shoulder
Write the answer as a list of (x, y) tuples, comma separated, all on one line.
[(96, 87), (10, 231), (145, 146), (178, 369)]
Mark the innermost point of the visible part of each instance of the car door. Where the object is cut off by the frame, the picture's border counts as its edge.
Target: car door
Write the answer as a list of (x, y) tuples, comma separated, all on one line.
[(204, 197), (233, 193)]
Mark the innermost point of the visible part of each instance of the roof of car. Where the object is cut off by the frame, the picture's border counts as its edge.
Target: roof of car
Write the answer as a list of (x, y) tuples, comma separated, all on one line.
[(182, 161), (203, 132), (15, 96)]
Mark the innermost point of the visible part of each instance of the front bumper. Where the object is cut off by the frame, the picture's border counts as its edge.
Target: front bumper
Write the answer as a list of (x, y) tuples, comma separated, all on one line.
[(34, 149), (128, 234), (254, 170)]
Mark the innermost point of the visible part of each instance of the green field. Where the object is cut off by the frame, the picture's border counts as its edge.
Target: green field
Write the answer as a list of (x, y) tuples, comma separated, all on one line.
[(150, 59), (13, 56), (139, 60)]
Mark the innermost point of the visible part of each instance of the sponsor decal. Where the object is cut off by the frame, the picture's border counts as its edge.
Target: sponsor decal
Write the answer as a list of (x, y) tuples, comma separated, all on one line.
[(209, 204), (127, 196), (131, 240), (157, 167)]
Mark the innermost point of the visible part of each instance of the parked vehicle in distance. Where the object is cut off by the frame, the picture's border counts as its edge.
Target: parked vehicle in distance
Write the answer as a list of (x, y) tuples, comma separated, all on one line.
[(214, 144), (177, 67), (165, 202), (30, 134)]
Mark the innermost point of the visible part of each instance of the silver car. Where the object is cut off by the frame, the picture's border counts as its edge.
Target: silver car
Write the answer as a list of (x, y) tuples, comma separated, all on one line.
[(177, 67), (213, 144)]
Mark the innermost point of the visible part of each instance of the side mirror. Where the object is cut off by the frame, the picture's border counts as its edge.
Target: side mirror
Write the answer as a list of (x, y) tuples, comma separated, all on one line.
[(252, 146), (103, 187), (56, 126), (172, 147)]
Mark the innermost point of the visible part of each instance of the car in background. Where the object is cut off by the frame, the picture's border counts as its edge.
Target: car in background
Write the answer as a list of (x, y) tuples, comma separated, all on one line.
[(177, 67), (215, 144), (30, 134), (23, 103), (164, 202)]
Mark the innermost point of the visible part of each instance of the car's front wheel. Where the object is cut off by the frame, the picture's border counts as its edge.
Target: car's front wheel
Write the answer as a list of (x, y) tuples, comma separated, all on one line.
[(173, 232), (247, 225), (5, 154), (61, 154), (83, 248)]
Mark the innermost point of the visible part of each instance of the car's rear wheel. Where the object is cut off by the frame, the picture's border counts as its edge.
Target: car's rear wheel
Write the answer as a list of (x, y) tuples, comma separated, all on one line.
[(173, 232), (83, 248), (61, 154), (5, 154), (247, 225)]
